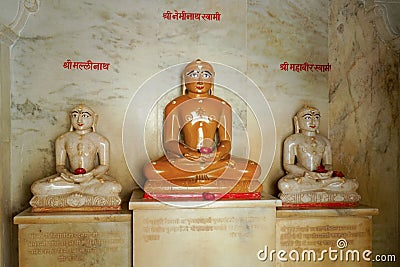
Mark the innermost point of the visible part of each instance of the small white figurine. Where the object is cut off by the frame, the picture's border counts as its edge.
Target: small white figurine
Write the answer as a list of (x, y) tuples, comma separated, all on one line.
[(307, 160), (82, 160)]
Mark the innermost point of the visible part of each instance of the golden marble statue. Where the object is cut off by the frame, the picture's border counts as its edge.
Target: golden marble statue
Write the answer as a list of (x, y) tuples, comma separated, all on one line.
[(80, 183), (197, 144), (307, 160)]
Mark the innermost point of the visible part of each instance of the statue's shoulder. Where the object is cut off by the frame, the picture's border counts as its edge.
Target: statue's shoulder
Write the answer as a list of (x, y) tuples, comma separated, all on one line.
[(323, 138), (174, 103), (294, 137), (222, 101), (63, 136), (98, 137)]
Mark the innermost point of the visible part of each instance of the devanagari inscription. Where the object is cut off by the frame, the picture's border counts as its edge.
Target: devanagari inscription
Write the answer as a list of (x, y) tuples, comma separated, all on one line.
[(183, 15), (285, 66), (87, 65)]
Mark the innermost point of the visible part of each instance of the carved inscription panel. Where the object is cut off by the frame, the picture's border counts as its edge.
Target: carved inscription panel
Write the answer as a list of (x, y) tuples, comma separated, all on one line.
[(75, 244), (326, 241), (202, 237)]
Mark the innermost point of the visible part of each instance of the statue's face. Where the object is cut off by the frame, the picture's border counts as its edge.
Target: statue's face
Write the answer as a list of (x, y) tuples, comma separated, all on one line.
[(199, 77), (309, 119), (82, 118)]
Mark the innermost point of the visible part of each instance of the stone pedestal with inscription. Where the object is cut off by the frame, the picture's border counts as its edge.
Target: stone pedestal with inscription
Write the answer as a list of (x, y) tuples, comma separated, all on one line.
[(324, 237), (200, 233), (74, 238)]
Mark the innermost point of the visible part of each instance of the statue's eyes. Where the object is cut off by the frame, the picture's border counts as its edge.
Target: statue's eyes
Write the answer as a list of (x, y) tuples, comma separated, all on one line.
[(75, 115), (307, 117), (84, 115), (206, 75), (317, 117), (193, 74)]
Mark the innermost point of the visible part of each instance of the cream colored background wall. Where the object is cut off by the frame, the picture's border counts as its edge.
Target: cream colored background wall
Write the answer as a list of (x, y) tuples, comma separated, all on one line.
[(252, 36), (364, 114), (296, 32), (138, 43)]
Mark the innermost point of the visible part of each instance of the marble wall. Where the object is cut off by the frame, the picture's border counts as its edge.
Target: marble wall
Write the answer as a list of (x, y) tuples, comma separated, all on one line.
[(127, 36), (254, 37), (364, 114), (5, 155), (138, 43), (295, 32), (361, 96)]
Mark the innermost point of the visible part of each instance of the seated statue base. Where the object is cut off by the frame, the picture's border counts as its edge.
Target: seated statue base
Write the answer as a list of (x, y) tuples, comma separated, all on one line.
[(204, 196), (66, 239), (207, 190), (320, 199), (198, 233), (74, 202)]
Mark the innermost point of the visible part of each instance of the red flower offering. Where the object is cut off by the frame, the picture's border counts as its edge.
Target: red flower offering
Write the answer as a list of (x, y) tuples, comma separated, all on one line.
[(337, 174), (80, 171), (208, 196), (205, 150), (321, 169)]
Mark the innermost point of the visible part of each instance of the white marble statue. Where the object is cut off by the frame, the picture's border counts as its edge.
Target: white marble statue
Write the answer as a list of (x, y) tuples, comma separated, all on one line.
[(82, 161), (307, 160)]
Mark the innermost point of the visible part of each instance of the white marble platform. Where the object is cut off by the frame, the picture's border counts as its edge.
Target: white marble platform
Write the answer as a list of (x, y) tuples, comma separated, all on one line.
[(189, 233), (74, 238)]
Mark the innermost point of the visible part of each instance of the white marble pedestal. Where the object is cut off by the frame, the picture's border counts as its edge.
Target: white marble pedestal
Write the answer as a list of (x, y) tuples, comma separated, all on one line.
[(223, 233), (344, 234), (74, 238)]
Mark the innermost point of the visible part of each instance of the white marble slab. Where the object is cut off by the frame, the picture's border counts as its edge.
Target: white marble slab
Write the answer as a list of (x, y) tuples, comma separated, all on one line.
[(324, 237), (74, 238), (222, 233)]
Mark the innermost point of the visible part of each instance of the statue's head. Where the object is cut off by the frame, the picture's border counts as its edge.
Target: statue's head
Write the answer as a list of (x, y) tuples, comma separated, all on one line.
[(198, 77), (307, 119), (83, 118)]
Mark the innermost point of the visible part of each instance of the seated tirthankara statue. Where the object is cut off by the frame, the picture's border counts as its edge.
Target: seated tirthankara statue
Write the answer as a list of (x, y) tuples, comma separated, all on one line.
[(307, 160), (197, 143), (80, 183)]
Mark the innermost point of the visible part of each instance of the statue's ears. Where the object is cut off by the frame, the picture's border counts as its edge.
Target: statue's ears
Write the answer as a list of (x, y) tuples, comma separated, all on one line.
[(296, 124), (71, 128), (95, 122)]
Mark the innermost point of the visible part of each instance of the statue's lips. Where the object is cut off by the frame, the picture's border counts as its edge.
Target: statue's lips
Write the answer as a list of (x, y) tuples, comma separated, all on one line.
[(199, 86), (80, 124)]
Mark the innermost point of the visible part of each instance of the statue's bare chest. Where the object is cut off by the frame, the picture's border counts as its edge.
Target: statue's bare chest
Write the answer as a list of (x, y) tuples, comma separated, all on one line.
[(311, 146), (80, 145)]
